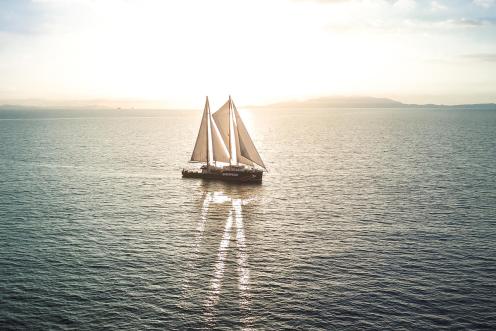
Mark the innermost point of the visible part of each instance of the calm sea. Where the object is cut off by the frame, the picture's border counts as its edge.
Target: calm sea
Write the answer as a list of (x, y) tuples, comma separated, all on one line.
[(368, 219)]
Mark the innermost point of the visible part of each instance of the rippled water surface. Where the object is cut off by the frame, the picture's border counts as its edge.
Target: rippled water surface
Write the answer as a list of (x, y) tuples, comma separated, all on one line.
[(368, 219)]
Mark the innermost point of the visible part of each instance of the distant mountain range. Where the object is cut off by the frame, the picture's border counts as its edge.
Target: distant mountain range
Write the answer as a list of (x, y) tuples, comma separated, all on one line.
[(322, 102), (368, 102)]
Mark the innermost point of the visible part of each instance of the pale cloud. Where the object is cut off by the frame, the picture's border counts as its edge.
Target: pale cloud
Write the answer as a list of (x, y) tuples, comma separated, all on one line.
[(436, 6), (462, 22), (485, 57), (485, 3), (405, 5), (21, 17)]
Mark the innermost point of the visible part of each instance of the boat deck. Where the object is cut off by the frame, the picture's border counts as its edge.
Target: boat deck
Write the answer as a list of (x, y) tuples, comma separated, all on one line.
[(241, 175)]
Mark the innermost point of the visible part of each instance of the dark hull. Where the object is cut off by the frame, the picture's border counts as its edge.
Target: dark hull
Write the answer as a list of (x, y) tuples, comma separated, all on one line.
[(253, 176)]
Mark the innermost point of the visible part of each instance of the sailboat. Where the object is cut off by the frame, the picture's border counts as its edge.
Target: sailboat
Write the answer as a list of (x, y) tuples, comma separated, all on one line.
[(225, 147)]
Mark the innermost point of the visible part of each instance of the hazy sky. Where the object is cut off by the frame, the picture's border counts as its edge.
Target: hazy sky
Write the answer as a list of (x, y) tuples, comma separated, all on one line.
[(176, 52)]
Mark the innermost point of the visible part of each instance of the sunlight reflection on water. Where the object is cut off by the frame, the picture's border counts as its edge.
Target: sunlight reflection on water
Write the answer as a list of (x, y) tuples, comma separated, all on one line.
[(243, 270), (213, 298)]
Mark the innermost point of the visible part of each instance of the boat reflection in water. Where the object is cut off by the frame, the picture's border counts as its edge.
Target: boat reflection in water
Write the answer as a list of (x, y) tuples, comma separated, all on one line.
[(219, 241)]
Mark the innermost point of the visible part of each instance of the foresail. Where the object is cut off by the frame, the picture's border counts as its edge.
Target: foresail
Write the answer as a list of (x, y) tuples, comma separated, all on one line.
[(200, 153), (219, 149), (246, 147)]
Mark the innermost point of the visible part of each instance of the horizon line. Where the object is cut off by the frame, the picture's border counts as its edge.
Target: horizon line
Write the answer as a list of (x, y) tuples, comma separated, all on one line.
[(123, 104)]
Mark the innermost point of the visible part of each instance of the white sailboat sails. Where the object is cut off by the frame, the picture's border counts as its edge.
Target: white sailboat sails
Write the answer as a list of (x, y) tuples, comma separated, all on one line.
[(209, 146), (223, 137), (235, 136)]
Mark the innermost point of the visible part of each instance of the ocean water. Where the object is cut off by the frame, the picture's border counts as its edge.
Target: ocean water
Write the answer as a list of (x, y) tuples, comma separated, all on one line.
[(368, 219)]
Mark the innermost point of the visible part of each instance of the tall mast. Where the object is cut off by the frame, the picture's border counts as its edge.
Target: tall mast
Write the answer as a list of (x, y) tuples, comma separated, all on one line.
[(230, 122), (208, 125)]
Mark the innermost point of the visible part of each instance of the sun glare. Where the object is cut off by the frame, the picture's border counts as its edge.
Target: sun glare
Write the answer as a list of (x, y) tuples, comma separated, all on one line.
[(259, 51)]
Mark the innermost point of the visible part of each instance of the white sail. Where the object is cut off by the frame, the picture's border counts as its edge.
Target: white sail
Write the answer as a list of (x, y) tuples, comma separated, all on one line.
[(239, 157), (246, 147), (200, 153), (225, 122), (219, 149), (235, 136), (221, 118)]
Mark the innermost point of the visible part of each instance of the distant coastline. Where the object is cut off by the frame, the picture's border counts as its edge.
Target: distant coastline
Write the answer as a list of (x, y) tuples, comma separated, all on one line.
[(368, 102), (94, 106)]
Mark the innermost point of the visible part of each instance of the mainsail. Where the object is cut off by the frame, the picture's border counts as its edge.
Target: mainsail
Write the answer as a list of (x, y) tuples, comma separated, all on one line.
[(235, 136), (219, 150), (209, 146), (222, 119)]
